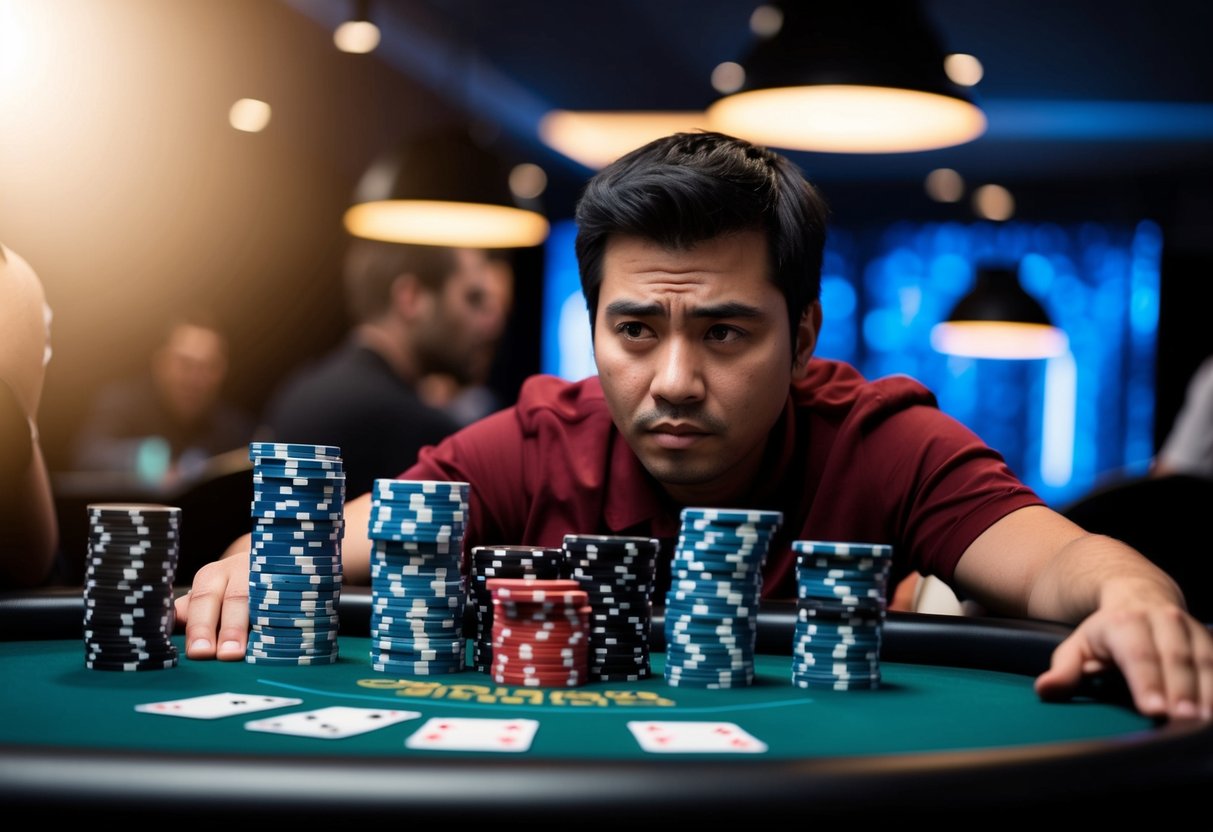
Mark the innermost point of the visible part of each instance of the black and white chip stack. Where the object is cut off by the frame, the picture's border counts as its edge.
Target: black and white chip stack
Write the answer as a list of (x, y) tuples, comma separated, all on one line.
[(503, 562), (840, 611), (417, 587), (711, 609), (128, 586), (295, 559), (617, 574)]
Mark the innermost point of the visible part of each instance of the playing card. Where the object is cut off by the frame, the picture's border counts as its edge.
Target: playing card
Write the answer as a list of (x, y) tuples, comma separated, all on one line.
[(334, 723), (695, 738), (216, 705), (463, 734)]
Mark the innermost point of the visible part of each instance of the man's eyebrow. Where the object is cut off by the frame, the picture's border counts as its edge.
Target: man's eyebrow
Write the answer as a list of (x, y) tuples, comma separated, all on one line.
[(639, 309)]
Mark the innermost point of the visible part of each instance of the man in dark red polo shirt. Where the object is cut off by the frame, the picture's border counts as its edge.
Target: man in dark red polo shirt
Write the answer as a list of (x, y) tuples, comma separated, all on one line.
[(700, 259)]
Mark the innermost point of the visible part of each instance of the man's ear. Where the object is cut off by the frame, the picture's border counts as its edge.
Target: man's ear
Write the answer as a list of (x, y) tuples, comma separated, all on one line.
[(806, 339), (408, 296)]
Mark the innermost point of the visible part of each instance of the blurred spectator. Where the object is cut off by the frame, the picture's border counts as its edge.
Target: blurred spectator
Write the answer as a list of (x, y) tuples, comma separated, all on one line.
[(467, 401), (164, 425), (418, 311), (1188, 448), (28, 528)]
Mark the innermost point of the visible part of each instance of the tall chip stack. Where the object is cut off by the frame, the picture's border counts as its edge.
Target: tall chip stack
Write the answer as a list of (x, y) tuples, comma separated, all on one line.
[(295, 559), (711, 610), (417, 587), (487, 562), (840, 610), (617, 574), (540, 633), (128, 586)]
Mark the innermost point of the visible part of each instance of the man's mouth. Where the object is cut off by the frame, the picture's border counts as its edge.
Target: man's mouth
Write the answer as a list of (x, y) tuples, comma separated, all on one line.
[(676, 435)]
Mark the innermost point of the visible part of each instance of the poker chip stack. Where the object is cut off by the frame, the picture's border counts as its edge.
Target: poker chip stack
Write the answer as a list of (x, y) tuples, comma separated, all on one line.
[(841, 602), (711, 610), (540, 632), (617, 574), (417, 588), (295, 559), (536, 562), (128, 586)]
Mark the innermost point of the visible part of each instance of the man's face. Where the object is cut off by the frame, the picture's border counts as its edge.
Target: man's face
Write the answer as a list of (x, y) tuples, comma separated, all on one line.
[(189, 371), (469, 315), (694, 356)]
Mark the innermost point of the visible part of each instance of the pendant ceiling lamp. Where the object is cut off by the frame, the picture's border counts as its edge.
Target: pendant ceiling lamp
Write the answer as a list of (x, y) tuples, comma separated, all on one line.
[(444, 189), (853, 77), (998, 319)]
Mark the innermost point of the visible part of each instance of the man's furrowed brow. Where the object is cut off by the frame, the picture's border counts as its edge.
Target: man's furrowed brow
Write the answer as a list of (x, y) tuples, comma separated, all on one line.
[(634, 309), (641, 309), (730, 309)]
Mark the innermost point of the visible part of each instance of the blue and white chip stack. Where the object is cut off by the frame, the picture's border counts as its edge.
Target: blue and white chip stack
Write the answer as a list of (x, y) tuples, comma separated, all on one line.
[(841, 603), (711, 609), (295, 559), (417, 586)]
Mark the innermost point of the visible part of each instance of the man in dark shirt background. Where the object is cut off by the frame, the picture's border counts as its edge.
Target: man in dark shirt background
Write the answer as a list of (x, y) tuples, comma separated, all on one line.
[(417, 310)]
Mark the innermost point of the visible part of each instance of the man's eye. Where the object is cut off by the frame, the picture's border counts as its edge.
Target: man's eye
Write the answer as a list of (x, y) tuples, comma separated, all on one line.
[(721, 333), (631, 329)]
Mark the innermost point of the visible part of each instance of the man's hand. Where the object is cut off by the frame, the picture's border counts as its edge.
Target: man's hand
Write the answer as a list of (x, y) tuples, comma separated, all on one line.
[(1165, 656), (215, 611)]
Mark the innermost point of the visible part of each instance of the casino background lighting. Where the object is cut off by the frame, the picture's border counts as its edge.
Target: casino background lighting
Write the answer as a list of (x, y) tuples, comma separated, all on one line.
[(964, 70), (944, 185), (249, 115), (998, 319), (728, 77), (831, 81), (993, 202), (444, 189), (358, 35), (595, 139)]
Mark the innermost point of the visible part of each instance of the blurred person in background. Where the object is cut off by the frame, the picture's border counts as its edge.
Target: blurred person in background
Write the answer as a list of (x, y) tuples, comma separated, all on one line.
[(164, 425), (28, 527), (418, 311), (1188, 448), (467, 401)]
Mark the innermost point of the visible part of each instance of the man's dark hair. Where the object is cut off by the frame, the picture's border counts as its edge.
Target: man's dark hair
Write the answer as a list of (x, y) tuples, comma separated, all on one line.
[(372, 266), (691, 187)]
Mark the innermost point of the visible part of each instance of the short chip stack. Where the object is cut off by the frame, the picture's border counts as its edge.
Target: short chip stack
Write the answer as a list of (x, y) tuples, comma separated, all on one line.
[(540, 633), (128, 586), (417, 588), (841, 603), (711, 611), (488, 562), (617, 574), (295, 558)]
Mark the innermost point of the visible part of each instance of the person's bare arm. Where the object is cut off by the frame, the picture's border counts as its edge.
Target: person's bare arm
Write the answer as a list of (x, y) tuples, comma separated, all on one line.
[(215, 612), (1130, 614), (28, 523)]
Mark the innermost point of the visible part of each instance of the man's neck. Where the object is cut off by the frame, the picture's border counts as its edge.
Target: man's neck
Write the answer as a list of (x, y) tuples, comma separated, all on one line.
[(391, 346)]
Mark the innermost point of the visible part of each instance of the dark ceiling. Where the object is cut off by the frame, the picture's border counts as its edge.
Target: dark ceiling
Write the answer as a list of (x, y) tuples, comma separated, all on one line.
[(1110, 96)]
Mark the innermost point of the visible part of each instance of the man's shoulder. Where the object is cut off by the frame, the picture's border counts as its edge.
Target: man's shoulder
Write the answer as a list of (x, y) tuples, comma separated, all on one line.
[(837, 390), (549, 399)]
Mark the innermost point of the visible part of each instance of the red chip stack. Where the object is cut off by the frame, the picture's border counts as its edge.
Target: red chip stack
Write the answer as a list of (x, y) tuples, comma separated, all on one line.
[(540, 632)]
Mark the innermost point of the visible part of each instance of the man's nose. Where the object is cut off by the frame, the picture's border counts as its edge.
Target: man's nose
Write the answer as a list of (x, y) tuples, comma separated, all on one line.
[(678, 376)]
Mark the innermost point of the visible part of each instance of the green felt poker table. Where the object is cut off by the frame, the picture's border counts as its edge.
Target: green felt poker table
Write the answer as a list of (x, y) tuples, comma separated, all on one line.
[(954, 726)]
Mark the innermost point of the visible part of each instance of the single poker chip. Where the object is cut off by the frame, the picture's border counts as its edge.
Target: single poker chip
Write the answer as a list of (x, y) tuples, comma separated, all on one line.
[(297, 621), (727, 515), (292, 449), (300, 661), (133, 510), (393, 487), (842, 549)]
